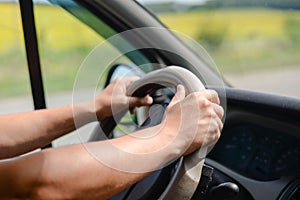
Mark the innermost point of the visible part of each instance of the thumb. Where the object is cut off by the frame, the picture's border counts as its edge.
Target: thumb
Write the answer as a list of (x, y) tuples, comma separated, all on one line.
[(140, 101), (180, 94)]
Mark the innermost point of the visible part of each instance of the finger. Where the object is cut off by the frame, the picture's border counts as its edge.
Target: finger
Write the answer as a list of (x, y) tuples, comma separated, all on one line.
[(212, 96), (130, 79), (213, 133), (219, 110), (140, 101), (180, 94), (220, 124)]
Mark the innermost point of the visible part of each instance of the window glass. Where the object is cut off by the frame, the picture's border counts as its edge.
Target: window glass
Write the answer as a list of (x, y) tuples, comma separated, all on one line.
[(68, 34), (64, 43), (15, 93), (255, 44)]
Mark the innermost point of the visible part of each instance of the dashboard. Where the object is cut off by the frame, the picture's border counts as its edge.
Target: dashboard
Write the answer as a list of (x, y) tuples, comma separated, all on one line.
[(258, 150)]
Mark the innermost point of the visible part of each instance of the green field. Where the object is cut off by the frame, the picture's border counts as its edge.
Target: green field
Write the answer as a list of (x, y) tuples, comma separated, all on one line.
[(243, 39), (237, 39), (64, 42), (239, 23)]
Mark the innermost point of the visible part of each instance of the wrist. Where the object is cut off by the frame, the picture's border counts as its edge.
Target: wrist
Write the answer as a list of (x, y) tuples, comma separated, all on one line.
[(169, 135), (84, 113)]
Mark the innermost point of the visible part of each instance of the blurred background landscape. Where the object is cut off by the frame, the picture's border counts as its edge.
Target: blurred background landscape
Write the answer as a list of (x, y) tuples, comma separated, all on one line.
[(255, 31), (256, 39)]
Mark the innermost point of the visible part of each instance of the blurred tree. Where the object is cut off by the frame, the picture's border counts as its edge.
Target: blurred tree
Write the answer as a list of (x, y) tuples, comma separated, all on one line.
[(280, 4)]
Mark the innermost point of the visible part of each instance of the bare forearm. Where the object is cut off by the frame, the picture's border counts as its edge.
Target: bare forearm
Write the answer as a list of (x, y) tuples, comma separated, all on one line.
[(81, 172), (23, 132)]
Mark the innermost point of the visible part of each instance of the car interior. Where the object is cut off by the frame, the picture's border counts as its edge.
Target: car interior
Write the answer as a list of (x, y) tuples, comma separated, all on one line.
[(258, 153)]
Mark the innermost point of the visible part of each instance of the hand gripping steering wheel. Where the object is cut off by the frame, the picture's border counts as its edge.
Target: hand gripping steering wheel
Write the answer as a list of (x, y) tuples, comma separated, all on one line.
[(183, 185)]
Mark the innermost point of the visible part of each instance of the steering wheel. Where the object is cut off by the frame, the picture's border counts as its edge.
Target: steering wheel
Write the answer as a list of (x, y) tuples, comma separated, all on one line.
[(186, 171)]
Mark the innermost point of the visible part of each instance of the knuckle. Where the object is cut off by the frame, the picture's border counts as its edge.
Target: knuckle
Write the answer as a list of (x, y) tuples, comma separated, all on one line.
[(222, 111), (212, 92), (204, 92), (211, 113), (216, 128), (221, 126), (193, 95), (117, 80), (204, 102), (218, 135), (213, 96)]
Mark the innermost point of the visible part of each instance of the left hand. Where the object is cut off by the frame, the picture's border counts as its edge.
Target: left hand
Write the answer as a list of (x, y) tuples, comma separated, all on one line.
[(113, 98)]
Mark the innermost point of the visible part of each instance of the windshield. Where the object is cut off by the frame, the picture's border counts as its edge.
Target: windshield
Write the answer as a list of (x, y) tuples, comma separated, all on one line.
[(255, 44)]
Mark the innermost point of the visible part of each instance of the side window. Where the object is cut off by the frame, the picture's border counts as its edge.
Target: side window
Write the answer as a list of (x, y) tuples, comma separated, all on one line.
[(15, 92), (64, 43)]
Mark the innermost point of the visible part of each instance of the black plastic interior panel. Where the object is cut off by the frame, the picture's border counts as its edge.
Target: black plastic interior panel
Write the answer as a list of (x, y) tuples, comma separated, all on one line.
[(260, 142), (261, 136), (258, 152), (269, 105)]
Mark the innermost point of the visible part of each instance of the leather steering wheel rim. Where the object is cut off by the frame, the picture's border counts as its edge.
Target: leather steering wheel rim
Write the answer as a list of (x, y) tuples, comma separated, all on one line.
[(185, 182)]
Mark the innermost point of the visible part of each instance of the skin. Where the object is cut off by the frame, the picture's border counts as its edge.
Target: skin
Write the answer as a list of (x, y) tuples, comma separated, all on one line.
[(72, 172)]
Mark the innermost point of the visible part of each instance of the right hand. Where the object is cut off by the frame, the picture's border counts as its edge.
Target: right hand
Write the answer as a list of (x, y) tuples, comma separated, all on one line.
[(194, 121), (113, 98)]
